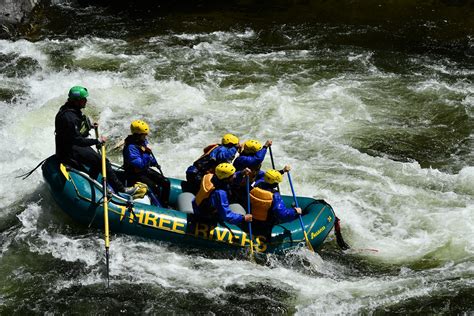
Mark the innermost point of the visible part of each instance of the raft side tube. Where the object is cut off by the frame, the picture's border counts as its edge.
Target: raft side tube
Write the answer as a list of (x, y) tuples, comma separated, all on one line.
[(80, 197)]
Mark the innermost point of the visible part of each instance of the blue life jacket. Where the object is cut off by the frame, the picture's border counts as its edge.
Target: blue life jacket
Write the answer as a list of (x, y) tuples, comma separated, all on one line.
[(136, 159)]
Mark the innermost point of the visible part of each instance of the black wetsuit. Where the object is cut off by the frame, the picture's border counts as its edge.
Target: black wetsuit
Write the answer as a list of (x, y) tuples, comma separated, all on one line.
[(73, 146)]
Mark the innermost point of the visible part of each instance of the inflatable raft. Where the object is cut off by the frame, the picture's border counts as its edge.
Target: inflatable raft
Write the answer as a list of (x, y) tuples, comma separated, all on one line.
[(81, 198)]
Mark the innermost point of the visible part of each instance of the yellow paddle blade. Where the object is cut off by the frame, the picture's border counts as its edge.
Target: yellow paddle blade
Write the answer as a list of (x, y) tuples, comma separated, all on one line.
[(119, 145), (64, 171), (252, 256), (308, 243)]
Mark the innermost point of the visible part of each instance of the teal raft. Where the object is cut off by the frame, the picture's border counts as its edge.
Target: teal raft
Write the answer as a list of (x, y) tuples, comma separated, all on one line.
[(81, 198)]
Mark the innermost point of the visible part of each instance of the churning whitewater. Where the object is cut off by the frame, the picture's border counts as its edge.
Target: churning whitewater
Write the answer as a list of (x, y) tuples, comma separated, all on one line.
[(386, 137)]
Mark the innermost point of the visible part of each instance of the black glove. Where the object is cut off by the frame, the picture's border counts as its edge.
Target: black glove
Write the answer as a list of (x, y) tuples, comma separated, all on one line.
[(99, 144)]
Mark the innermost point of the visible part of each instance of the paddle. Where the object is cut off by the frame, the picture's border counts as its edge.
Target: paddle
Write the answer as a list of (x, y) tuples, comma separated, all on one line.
[(106, 211), (96, 130), (157, 165), (273, 164), (340, 241), (310, 247), (250, 223), (119, 144)]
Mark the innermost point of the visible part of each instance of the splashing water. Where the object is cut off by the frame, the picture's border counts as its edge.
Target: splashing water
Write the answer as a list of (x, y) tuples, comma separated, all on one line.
[(384, 136)]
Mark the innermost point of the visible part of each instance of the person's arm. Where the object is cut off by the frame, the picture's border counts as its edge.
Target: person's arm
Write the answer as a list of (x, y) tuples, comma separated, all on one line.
[(73, 131), (148, 150), (238, 180), (286, 168), (260, 155), (221, 203), (133, 156), (283, 213), (245, 161), (253, 160)]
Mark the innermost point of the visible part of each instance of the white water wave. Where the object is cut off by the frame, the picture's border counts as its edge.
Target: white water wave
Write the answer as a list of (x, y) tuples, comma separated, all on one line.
[(141, 262), (58, 245), (408, 213)]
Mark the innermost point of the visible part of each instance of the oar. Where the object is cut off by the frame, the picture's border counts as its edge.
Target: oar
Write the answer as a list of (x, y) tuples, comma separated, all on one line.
[(119, 144), (106, 212), (96, 130), (310, 247), (271, 157), (157, 165), (152, 196), (273, 164), (340, 241), (250, 223)]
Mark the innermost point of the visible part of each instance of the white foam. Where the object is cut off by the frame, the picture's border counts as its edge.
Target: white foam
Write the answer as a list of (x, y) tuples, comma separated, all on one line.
[(60, 246), (24, 48), (408, 213)]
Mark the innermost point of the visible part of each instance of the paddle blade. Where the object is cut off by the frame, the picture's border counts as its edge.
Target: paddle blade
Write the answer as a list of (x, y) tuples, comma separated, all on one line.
[(249, 211), (107, 266), (340, 241), (308, 243)]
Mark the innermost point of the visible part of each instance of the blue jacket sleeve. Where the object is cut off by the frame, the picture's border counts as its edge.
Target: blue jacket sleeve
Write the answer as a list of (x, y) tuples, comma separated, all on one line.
[(282, 213), (260, 177), (223, 154), (132, 154), (260, 155), (250, 161), (220, 202)]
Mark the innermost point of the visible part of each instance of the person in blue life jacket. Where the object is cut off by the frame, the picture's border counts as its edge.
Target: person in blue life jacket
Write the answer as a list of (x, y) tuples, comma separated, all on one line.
[(213, 155), (138, 159), (267, 206), (252, 155), (211, 202), (73, 145), (239, 183)]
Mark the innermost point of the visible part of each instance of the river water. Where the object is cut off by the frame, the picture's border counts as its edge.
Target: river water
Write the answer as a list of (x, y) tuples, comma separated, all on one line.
[(376, 118)]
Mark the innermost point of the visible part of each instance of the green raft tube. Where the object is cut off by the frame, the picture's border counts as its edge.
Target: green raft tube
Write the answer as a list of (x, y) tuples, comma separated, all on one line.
[(81, 198)]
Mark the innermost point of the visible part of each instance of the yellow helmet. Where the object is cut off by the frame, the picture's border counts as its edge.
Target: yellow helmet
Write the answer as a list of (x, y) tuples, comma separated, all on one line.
[(224, 170), (272, 176), (230, 139), (252, 146), (139, 127)]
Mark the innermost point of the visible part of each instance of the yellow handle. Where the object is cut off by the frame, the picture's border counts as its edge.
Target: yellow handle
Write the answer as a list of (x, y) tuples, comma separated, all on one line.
[(64, 171), (106, 203)]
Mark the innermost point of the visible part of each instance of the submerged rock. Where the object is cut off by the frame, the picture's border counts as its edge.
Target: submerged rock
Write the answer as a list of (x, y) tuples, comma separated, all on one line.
[(15, 11)]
